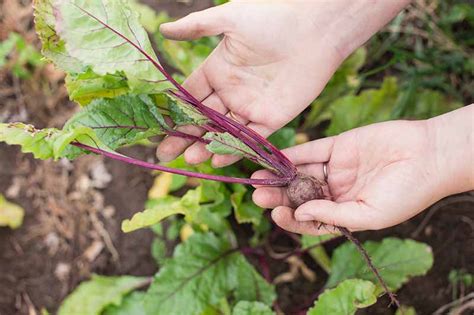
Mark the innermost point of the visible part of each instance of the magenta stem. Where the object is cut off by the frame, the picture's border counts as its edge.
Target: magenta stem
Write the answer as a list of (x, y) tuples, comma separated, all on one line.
[(226, 179)]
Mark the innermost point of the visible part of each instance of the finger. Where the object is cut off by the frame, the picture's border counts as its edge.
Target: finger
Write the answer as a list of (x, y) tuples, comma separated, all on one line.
[(172, 147), (318, 151), (355, 215), (263, 174), (269, 197), (221, 160), (283, 216), (210, 22), (197, 152), (198, 84), (225, 160), (314, 169)]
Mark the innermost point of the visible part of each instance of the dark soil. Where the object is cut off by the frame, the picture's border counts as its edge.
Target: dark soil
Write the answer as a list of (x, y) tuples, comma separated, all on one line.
[(62, 243)]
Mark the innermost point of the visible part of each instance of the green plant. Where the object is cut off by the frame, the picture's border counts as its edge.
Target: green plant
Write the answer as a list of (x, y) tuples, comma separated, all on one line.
[(18, 56), (125, 101)]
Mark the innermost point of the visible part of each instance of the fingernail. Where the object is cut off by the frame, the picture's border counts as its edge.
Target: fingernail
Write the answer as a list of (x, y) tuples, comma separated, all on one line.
[(304, 217)]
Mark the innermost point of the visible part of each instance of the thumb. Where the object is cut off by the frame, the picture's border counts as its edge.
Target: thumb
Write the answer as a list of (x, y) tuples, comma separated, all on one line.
[(355, 215), (210, 22)]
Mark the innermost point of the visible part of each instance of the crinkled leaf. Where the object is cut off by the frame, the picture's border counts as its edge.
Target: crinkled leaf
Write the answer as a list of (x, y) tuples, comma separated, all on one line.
[(251, 308), (79, 24), (53, 47), (49, 142), (225, 143), (203, 270), (345, 299), (93, 296), (137, 111), (82, 83), (85, 86), (10, 214), (185, 114), (397, 260), (132, 304), (370, 106)]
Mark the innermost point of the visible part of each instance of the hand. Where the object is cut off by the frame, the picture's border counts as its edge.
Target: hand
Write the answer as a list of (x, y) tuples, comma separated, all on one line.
[(274, 59), (379, 175)]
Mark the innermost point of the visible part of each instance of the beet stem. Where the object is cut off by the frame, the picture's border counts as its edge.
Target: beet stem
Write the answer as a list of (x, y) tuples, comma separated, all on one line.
[(226, 179)]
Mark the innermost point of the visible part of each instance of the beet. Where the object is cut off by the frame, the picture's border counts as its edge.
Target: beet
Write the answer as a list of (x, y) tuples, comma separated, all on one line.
[(304, 188)]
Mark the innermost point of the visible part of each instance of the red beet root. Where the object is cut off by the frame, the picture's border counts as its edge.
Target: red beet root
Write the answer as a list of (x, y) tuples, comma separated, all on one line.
[(303, 189)]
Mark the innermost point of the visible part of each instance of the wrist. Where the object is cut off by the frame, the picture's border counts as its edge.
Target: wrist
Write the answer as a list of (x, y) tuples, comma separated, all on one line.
[(452, 138), (355, 22)]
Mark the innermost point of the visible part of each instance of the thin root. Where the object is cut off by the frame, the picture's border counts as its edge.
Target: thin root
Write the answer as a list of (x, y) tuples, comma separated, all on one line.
[(368, 260)]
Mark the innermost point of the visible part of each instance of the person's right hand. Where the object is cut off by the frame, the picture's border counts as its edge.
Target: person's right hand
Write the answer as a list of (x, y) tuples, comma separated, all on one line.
[(274, 59), (379, 175)]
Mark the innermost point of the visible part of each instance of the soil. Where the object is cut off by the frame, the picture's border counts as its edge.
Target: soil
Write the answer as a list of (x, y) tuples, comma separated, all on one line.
[(72, 222)]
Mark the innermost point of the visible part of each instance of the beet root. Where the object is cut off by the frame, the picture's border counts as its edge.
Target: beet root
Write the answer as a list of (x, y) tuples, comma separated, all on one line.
[(305, 188)]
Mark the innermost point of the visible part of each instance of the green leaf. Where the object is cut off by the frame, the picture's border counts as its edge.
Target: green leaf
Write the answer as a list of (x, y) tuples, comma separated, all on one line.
[(79, 24), (251, 308), (10, 214), (309, 240), (344, 82), (397, 260), (370, 106), (53, 47), (185, 114), (132, 304), (318, 253), (160, 209), (186, 56), (244, 211), (24, 55), (148, 17), (203, 270), (82, 83), (49, 142), (429, 103), (406, 310), (345, 299), (283, 138), (225, 143), (137, 112), (93, 296), (86, 86)]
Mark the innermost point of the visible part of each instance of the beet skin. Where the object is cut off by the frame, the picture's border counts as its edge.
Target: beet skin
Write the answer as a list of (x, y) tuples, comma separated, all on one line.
[(303, 189)]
